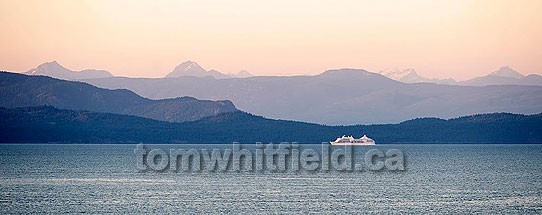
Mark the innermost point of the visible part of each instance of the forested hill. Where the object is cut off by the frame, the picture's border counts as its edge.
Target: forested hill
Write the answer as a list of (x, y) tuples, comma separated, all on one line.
[(50, 125), (18, 90)]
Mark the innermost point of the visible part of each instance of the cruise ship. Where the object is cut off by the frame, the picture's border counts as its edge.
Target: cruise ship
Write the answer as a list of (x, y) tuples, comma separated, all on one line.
[(351, 141)]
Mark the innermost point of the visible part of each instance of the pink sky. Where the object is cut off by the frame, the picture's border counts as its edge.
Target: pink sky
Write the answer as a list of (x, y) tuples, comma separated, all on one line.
[(440, 39)]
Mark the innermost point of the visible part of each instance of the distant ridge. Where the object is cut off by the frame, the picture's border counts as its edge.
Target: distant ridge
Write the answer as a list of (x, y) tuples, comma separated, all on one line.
[(505, 76), (190, 68), (340, 96), (507, 72), (55, 70), (241, 74), (411, 76)]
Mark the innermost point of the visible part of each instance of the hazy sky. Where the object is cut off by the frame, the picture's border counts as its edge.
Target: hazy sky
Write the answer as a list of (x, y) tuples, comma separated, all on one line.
[(459, 39)]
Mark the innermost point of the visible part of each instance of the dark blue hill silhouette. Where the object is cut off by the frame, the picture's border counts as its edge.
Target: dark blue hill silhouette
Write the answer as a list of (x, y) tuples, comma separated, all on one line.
[(18, 90), (48, 124)]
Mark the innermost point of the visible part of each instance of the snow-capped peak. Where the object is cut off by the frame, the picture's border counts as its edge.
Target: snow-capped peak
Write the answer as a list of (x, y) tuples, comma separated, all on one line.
[(411, 76), (52, 68), (397, 74), (190, 68), (187, 68), (406, 75)]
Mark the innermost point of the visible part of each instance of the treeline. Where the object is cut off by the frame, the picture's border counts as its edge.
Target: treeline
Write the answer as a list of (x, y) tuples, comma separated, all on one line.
[(50, 125)]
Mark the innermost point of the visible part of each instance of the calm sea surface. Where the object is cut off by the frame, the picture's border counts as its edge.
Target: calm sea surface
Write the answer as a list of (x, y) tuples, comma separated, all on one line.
[(104, 179)]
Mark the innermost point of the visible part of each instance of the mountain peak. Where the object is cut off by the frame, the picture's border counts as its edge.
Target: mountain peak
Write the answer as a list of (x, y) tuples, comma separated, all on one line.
[(241, 74), (350, 74), (410, 75), (191, 68), (54, 69), (244, 72), (51, 63), (507, 72), (54, 62), (406, 75), (187, 68), (345, 71)]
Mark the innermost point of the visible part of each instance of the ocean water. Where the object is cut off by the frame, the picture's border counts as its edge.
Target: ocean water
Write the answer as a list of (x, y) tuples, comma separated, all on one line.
[(459, 178)]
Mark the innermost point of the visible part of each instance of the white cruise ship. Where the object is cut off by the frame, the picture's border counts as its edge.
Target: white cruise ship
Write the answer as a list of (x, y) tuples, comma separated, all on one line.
[(351, 141)]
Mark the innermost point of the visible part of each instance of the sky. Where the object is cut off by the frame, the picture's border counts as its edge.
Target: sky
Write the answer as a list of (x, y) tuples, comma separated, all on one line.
[(460, 39)]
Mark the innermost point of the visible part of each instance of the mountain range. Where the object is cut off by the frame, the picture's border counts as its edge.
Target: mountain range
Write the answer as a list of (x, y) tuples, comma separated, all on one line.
[(503, 76), (339, 97), (42, 109), (343, 96), (19, 90), (188, 68)]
